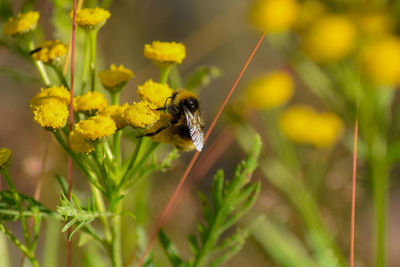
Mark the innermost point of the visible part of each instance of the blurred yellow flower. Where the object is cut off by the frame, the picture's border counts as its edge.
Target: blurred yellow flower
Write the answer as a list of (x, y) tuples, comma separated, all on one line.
[(141, 114), (91, 18), (309, 13), (114, 79), (50, 51), (270, 91), (90, 102), (273, 15), (380, 60), (51, 114), (116, 113), (153, 92), (23, 23), (374, 24), (55, 92), (5, 157), (302, 124), (165, 52), (78, 143), (96, 127), (331, 39)]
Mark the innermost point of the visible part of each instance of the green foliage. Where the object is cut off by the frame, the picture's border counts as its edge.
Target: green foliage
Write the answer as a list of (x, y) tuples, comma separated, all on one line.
[(202, 77), (229, 202)]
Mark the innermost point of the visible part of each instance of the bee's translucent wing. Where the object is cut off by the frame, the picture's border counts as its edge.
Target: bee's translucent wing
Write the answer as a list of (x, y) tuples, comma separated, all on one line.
[(194, 122)]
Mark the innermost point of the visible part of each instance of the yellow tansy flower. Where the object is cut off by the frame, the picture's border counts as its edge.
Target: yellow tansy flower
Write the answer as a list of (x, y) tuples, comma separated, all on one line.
[(96, 127), (116, 113), (5, 157), (331, 39), (380, 60), (90, 103), (141, 114), (91, 18), (50, 51), (23, 23), (273, 15), (325, 129), (270, 91), (51, 114), (374, 24), (79, 144), (165, 52), (115, 78), (153, 92), (55, 92)]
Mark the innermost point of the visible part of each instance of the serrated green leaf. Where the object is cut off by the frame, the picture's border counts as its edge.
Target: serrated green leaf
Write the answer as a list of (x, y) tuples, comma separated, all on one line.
[(217, 190), (170, 249), (194, 246)]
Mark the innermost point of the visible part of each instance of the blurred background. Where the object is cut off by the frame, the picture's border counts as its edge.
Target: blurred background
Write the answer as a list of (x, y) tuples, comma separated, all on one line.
[(222, 34)]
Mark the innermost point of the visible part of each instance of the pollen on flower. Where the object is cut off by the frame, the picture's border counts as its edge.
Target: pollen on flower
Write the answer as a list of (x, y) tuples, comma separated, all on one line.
[(56, 92), (21, 24), (165, 52), (141, 114), (5, 157), (153, 92), (90, 103), (116, 113), (90, 18), (51, 114), (78, 143), (96, 127), (115, 78), (50, 51), (270, 91)]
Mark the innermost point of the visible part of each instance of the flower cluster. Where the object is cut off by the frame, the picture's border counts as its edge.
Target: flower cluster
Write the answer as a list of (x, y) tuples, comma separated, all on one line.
[(21, 24), (50, 52)]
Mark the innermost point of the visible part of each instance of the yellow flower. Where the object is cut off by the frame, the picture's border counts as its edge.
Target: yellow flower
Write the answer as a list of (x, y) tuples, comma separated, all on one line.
[(141, 114), (380, 60), (90, 102), (374, 24), (5, 157), (115, 78), (273, 15), (153, 92), (79, 144), (309, 13), (331, 39), (165, 52), (50, 51), (116, 113), (96, 127), (55, 92), (270, 91), (51, 114), (23, 23), (91, 18), (302, 124)]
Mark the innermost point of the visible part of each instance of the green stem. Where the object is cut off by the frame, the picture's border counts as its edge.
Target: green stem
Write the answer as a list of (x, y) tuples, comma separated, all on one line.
[(61, 76), (116, 146), (116, 249), (131, 161), (86, 63), (92, 43), (115, 98), (40, 66), (101, 207), (164, 72)]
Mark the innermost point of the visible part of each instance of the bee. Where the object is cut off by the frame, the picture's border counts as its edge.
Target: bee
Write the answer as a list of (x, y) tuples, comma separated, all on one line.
[(181, 124)]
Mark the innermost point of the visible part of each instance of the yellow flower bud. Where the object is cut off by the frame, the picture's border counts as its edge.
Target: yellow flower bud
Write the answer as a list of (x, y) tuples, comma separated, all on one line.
[(5, 157), (115, 78), (96, 127), (55, 92), (116, 113), (153, 92), (51, 114), (50, 52), (165, 52), (91, 18), (23, 23), (141, 114), (90, 103), (78, 143)]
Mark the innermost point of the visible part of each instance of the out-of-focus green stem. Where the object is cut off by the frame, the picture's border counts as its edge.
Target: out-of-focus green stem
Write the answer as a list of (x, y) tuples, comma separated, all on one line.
[(61, 76), (92, 42), (86, 63), (164, 72)]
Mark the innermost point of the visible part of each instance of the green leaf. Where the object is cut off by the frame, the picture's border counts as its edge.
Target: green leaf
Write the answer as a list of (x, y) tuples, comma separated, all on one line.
[(218, 190), (202, 77), (169, 249)]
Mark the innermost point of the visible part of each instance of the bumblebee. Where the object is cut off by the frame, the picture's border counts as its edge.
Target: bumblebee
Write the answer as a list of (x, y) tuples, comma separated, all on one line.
[(181, 124)]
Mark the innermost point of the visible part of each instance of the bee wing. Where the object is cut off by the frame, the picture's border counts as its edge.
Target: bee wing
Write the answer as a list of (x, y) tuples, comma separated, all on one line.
[(194, 122)]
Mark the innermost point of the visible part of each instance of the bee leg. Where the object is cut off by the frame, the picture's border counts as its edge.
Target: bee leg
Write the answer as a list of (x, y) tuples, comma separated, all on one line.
[(159, 130)]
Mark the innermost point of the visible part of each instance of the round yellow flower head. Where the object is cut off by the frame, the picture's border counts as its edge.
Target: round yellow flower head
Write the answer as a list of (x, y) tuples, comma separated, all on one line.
[(116, 113), (90, 103), (374, 24), (141, 114), (270, 91), (309, 13), (153, 92), (51, 114), (115, 78), (331, 39), (273, 15), (302, 124), (91, 18), (95, 128), (23, 23), (79, 144), (380, 60), (50, 52), (5, 157), (56, 92), (165, 52)]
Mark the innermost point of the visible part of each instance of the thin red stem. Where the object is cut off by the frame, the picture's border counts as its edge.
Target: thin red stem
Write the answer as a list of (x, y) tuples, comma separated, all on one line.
[(353, 190), (171, 201)]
